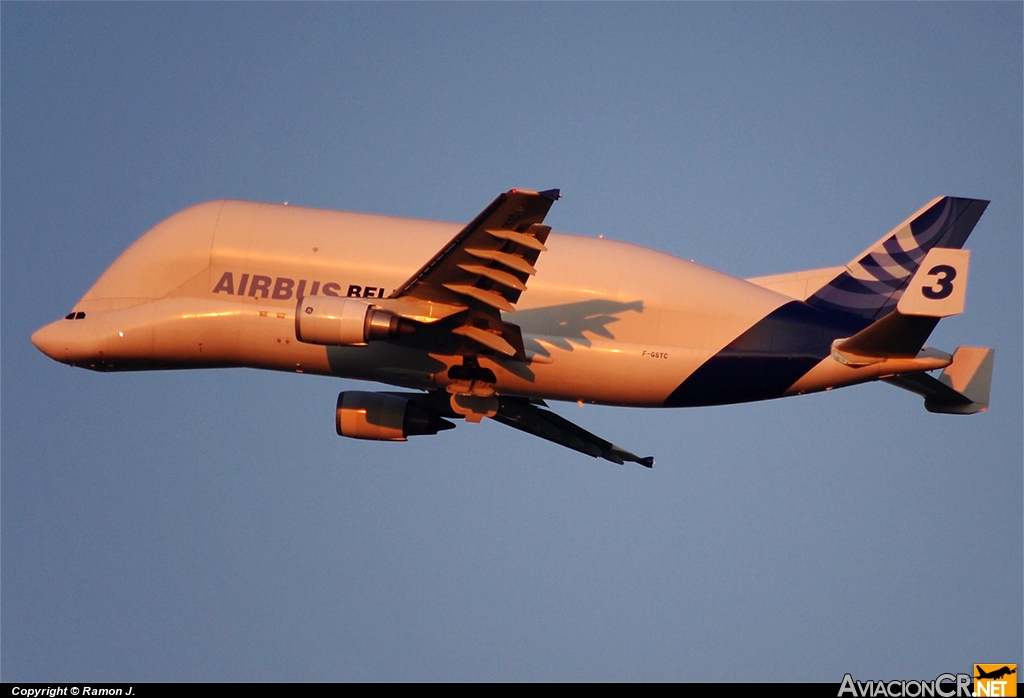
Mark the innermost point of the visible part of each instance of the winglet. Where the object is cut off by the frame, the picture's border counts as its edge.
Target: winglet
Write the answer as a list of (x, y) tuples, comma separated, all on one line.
[(646, 461), (553, 194)]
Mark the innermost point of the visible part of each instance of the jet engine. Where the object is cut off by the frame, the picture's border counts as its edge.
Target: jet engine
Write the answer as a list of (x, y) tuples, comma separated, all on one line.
[(345, 321), (385, 417)]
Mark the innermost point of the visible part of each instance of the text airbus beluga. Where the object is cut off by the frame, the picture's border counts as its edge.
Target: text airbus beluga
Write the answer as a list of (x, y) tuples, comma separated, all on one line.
[(494, 318)]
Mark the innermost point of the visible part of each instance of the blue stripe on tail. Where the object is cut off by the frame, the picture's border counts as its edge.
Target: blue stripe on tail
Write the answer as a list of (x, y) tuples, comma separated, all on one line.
[(872, 285)]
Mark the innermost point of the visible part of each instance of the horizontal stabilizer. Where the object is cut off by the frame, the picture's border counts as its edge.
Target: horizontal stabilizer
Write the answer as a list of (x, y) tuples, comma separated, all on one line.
[(896, 336), (962, 388), (523, 415)]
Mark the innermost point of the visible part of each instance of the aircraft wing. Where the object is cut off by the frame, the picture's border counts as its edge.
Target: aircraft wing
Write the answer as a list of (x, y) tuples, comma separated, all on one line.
[(483, 270), (527, 416)]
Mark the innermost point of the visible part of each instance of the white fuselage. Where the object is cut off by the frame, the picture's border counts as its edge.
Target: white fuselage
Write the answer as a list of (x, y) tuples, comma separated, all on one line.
[(217, 285)]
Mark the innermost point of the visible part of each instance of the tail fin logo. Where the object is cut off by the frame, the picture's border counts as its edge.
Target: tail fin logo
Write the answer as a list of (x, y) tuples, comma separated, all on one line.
[(939, 288), (874, 282), (943, 286)]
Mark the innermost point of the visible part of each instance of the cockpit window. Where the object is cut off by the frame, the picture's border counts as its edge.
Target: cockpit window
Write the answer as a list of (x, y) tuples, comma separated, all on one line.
[(79, 315), (69, 316)]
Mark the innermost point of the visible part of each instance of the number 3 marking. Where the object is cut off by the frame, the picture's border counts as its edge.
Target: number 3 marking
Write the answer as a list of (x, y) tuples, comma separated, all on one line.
[(943, 285)]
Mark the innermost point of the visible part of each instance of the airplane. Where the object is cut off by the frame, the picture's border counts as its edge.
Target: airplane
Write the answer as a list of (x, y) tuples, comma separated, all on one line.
[(995, 674), (494, 318)]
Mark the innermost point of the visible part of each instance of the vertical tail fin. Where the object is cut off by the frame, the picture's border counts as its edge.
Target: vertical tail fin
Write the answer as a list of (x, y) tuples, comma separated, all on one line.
[(873, 282)]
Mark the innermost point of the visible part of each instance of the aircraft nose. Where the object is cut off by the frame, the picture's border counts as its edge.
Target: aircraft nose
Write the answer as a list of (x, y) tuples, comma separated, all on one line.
[(53, 340)]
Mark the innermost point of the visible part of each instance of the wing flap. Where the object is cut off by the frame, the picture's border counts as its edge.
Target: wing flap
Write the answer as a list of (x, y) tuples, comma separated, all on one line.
[(511, 261), (488, 339), (494, 300), (532, 239), (509, 231), (484, 269), (502, 277)]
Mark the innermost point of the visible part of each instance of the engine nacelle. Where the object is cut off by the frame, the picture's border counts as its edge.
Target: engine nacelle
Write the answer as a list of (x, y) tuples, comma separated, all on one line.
[(385, 417), (345, 321)]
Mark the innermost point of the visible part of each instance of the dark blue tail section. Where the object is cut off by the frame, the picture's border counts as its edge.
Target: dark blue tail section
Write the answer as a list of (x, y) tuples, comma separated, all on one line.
[(873, 283), (768, 358)]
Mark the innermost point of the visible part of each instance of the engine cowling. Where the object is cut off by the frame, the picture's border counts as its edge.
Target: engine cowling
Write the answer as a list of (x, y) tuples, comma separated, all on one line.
[(345, 321), (385, 417)]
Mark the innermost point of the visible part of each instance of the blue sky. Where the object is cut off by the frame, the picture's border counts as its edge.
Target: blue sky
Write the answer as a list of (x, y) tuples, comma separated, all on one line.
[(211, 526)]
